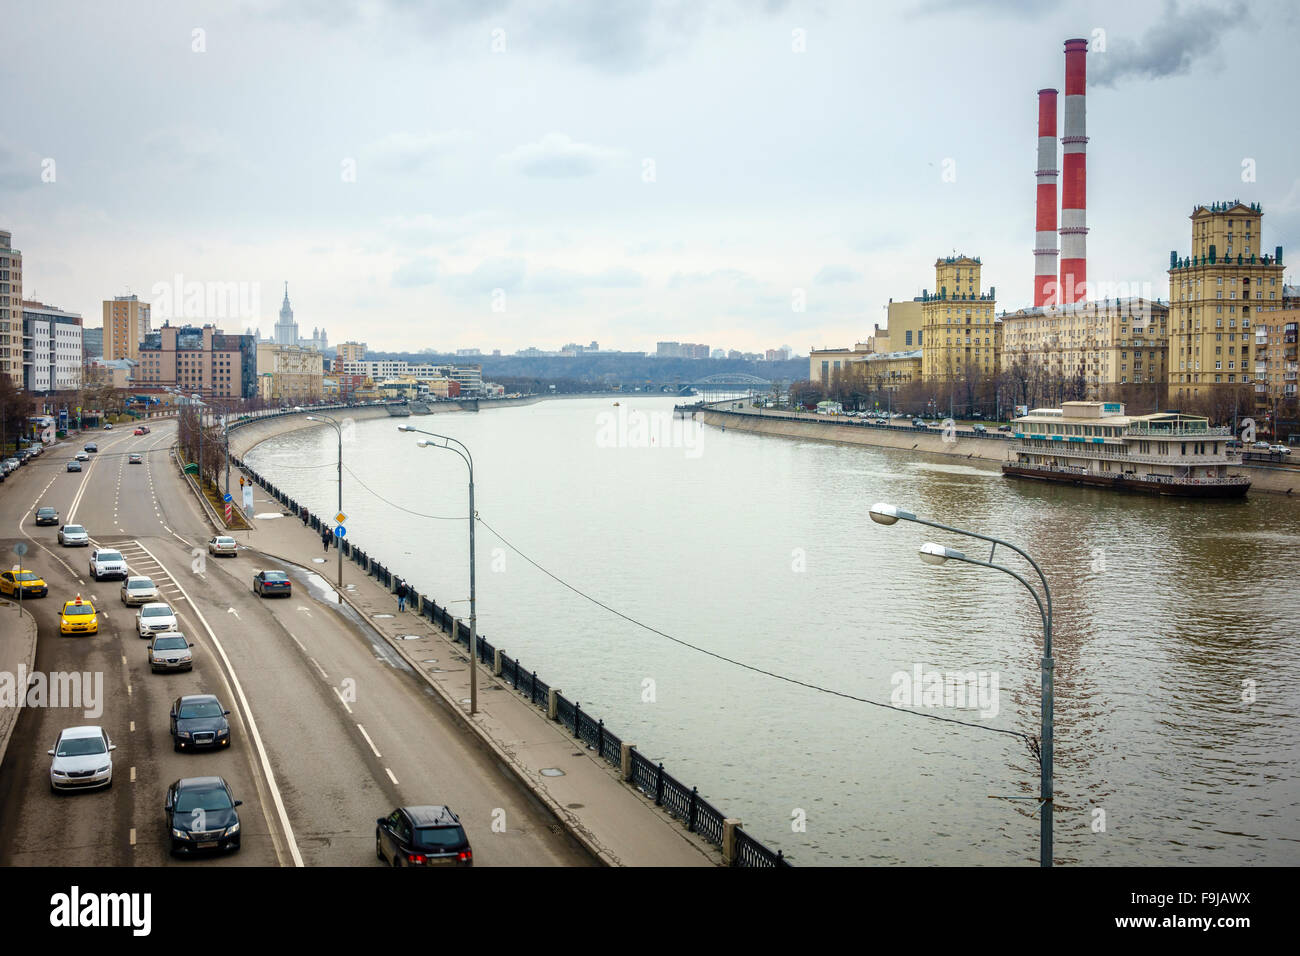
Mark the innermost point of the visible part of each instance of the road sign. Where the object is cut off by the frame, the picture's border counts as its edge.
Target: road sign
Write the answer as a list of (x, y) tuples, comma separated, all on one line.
[(228, 512), (340, 531), (340, 517), (20, 548), (226, 498)]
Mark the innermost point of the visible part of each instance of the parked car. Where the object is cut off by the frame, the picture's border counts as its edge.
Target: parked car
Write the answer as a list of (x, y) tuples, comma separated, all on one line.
[(170, 651), (83, 759), (979, 430), (107, 563), (919, 423), (200, 815), (422, 836), (155, 618), (199, 721), (1004, 428), (108, 426), (1260, 446), (135, 458), (28, 582), (47, 516), (138, 590), (11, 465), (272, 582), (78, 617), (222, 544), (74, 535)]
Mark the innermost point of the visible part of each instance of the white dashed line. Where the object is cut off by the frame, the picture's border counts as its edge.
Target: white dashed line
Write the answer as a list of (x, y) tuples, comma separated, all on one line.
[(341, 700), (368, 740), (390, 776)]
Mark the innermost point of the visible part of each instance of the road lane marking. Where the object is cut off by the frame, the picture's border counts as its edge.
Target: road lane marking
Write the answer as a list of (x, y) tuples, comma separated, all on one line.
[(319, 668), (133, 774), (267, 772), (132, 722), (133, 836), (341, 700), (368, 740), (390, 776)]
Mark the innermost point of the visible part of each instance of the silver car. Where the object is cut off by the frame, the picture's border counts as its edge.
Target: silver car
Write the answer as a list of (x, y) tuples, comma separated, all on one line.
[(170, 652), (82, 759), (223, 544), (138, 590), (153, 619), (74, 536)]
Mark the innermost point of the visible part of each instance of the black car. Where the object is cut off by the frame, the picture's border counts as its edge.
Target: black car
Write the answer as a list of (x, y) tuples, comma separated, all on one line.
[(74, 466), (47, 516), (422, 836), (91, 447), (198, 721), (201, 815), (272, 582)]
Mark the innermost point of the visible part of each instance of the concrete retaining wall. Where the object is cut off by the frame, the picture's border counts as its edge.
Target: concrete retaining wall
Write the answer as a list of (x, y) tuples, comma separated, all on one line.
[(1276, 479)]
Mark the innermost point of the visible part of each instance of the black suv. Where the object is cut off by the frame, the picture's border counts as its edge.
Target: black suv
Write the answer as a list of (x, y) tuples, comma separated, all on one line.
[(201, 815), (199, 721), (422, 836)]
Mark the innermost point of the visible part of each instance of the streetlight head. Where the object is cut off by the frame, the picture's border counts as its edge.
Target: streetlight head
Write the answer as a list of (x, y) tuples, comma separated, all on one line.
[(422, 443), (405, 428), (882, 513), (937, 554)]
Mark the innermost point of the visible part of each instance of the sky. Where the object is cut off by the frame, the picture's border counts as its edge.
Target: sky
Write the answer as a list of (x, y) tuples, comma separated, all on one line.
[(499, 174)]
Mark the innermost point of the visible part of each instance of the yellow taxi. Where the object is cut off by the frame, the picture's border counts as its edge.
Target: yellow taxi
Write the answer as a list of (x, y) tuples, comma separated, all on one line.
[(20, 579), (78, 617)]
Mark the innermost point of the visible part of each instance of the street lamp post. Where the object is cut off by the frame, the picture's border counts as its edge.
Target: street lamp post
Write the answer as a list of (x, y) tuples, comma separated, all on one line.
[(459, 448), (338, 545), (938, 554)]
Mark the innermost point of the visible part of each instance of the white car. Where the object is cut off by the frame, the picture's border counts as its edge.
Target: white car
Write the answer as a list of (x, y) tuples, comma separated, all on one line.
[(223, 544), (138, 590), (156, 618), (107, 563), (1279, 449), (82, 759), (170, 651), (74, 536), (83, 456)]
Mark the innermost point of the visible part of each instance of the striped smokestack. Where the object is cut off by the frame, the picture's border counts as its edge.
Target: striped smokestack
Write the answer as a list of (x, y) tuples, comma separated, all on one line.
[(1045, 252), (1074, 188)]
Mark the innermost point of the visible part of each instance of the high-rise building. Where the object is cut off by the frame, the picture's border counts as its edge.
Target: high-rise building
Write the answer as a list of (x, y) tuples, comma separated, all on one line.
[(11, 310), (1215, 295), (286, 330), (296, 373), (1276, 366), (962, 337), (92, 342), (52, 348), (126, 323)]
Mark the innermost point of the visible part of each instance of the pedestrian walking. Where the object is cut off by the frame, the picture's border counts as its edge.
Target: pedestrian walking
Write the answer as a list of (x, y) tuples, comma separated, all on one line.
[(402, 592), (325, 538)]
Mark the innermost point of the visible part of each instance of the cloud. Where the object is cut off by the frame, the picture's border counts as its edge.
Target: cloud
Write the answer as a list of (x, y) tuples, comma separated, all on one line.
[(407, 152), (616, 36), (416, 272), (560, 281), (831, 275), (489, 275), (1169, 47), (18, 173), (556, 156), (735, 277), (1020, 9)]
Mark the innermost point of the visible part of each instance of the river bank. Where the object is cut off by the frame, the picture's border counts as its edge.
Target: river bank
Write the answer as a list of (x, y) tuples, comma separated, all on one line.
[(987, 453)]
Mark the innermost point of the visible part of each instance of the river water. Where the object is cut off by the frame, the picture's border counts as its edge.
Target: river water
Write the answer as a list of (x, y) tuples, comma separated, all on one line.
[(1176, 632)]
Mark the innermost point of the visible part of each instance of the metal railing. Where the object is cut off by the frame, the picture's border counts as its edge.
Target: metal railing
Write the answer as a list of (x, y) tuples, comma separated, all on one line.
[(682, 803)]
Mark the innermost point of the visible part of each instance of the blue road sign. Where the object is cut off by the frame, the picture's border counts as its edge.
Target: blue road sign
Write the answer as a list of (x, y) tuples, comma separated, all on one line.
[(340, 531), (226, 498)]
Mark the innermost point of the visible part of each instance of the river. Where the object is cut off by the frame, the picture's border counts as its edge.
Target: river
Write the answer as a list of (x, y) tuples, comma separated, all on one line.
[(1177, 629)]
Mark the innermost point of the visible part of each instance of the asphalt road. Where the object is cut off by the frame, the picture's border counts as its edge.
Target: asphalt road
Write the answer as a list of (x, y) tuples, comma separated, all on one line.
[(330, 729)]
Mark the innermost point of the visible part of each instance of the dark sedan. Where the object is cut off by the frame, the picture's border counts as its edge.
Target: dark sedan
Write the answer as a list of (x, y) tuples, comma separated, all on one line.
[(198, 721), (74, 466), (47, 516), (201, 815), (272, 582), (422, 836)]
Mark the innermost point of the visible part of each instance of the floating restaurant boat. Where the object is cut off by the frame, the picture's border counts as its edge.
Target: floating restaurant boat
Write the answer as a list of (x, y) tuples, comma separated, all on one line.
[(1096, 443)]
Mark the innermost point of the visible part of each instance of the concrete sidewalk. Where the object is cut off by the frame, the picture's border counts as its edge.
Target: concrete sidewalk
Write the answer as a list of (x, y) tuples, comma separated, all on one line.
[(17, 654), (612, 819)]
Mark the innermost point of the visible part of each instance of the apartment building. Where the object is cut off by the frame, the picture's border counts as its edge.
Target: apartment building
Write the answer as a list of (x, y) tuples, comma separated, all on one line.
[(126, 323), (1276, 367), (11, 310), (52, 348), (962, 334), (1215, 294), (296, 373), (1107, 345)]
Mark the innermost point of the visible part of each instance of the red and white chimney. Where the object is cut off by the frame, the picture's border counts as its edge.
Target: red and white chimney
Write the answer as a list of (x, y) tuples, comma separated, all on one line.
[(1045, 251), (1074, 166)]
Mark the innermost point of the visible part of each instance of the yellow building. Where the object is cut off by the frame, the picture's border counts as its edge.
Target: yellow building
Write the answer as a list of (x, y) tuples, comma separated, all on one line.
[(961, 335), (126, 323), (825, 364), (351, 352), (1215, 293), (904, 326), (1108, 346), (296, 373), (890, 371), (11, 310)]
